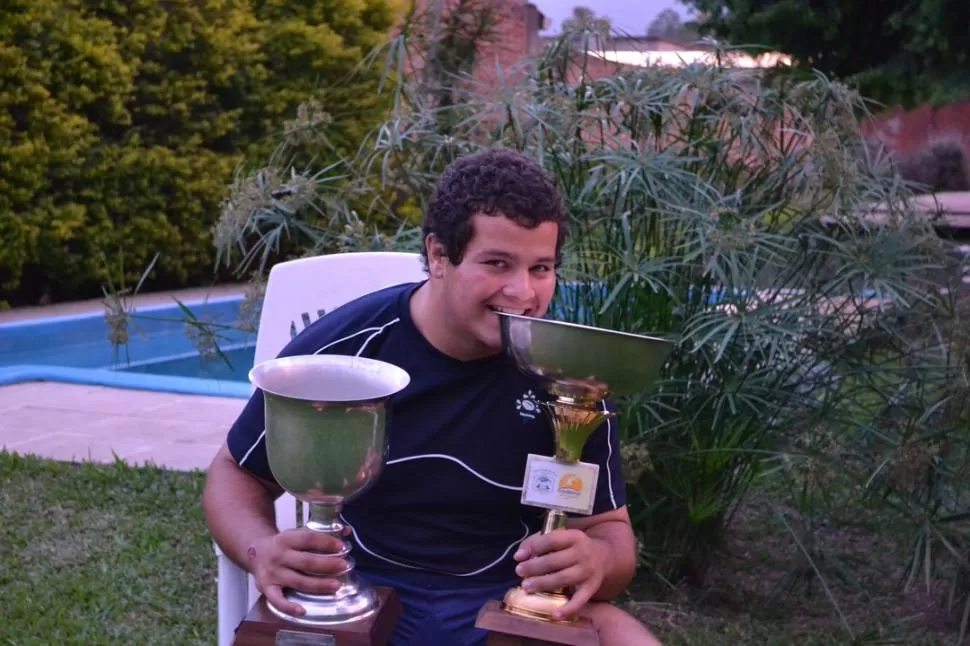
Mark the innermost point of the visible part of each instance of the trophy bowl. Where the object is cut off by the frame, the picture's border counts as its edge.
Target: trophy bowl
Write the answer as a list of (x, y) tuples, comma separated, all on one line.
[(581, 361), (579, 366), (325, 419)]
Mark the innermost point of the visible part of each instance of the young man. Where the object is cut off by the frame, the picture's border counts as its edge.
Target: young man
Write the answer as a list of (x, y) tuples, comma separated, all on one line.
[(444, 524)]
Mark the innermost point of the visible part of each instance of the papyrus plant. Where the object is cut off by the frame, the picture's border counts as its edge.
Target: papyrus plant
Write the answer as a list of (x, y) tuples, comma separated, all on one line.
[(738, 211), (732, 209)]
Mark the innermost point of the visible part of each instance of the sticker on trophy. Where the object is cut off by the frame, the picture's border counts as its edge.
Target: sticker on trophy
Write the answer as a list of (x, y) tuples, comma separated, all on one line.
[(293, 638), (566, 486)]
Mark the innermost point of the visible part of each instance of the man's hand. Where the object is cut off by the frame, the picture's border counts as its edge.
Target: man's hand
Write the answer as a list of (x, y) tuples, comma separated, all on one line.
[(564, 558), (300, 559)]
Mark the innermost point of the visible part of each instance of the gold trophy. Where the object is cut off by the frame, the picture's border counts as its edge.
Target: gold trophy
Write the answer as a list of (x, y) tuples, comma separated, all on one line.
[(580, 367)]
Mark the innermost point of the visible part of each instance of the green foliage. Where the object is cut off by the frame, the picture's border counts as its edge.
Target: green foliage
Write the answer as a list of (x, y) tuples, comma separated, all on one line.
[(121, 123), (154, 581), (821, 352), (295, 203), (724, 208), (898, 52), (668, 25)]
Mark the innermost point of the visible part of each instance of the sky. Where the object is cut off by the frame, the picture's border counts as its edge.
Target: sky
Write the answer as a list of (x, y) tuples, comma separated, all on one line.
[(631, 16)]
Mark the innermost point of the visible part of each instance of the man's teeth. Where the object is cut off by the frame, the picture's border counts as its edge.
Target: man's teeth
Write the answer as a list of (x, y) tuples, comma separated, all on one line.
[(505, 310)]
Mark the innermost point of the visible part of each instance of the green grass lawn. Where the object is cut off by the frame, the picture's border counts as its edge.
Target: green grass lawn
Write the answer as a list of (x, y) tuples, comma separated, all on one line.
[(103, 555), (109, 554)]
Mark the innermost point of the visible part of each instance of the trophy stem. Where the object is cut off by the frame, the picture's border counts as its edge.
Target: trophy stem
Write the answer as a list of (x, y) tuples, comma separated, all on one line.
[(326, 519), (573, 421), (353, 600), (554, 520)]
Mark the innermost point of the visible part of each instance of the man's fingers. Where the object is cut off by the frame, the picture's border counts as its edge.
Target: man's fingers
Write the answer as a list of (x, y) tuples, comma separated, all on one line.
[(274, 595), (552, 562), (308, 584), (582, 595), (524, 550), (560, 579), (555, 541), (311, 563), (305, 540)]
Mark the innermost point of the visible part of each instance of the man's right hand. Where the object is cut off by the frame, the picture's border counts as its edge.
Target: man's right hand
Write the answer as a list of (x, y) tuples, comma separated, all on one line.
[(300, 559)]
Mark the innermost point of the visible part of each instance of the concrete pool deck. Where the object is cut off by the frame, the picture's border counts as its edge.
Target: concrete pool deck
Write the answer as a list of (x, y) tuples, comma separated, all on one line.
[(94, 423)]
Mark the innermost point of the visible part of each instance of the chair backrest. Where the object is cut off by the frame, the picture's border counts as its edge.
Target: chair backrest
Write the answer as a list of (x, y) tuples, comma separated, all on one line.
[(299, 292)]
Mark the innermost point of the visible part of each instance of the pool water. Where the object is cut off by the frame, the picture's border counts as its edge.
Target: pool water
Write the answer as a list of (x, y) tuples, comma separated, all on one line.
[(232, 365), (158, 343)]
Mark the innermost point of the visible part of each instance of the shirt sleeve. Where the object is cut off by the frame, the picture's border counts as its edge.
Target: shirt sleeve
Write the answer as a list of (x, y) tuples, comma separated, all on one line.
[(246, 436), (603, 448)]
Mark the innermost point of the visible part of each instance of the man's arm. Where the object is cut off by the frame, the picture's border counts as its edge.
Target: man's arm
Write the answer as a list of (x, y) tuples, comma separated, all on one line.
[(612, 536), (238, 507)]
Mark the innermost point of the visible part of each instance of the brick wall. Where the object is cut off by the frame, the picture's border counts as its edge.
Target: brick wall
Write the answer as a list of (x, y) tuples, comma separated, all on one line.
[(514, 41), (596, 68), (509, 48), (907, 131)]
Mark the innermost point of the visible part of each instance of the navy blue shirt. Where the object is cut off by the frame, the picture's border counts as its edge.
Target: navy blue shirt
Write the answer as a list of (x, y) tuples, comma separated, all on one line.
[(448, 500)]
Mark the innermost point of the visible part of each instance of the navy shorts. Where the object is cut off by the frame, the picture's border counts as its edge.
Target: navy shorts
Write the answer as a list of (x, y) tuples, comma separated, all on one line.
[(438, 610)]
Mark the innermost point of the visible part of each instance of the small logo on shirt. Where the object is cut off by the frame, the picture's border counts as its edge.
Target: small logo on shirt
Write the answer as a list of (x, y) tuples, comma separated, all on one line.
[(527, 405)]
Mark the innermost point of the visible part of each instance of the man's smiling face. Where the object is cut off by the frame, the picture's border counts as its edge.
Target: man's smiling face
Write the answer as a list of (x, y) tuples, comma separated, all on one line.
[(505, 267)]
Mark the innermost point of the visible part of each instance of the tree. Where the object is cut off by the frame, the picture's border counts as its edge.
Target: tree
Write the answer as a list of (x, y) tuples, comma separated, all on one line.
[(585, 19), (668, 25), (121, 122), (904, 51)]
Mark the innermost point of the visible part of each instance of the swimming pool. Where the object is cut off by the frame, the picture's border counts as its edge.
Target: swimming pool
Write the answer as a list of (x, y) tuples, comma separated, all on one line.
[(160, 355), (233, 365)]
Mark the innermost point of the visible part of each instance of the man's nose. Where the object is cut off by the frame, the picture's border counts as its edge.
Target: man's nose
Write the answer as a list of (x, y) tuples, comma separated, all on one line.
[(519, 286)]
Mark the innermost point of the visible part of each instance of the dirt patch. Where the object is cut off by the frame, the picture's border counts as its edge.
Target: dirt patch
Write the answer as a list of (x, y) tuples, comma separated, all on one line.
[(762, 589)]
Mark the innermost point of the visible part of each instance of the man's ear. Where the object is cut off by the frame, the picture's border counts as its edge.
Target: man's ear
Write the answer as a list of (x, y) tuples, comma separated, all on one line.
[(437, 256)]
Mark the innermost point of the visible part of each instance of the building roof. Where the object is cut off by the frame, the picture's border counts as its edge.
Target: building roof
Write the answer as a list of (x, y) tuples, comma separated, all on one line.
[(681, 57)]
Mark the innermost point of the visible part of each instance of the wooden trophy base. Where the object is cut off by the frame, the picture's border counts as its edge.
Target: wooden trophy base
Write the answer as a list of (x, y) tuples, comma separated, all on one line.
[(262, 628), (507, 629)]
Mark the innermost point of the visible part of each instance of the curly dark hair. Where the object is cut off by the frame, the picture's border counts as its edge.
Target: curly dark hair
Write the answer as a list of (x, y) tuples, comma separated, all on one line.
[(495, 182)]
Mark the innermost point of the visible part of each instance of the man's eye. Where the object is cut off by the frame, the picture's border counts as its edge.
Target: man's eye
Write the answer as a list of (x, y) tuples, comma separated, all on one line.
[(541, 269), (496, 263)]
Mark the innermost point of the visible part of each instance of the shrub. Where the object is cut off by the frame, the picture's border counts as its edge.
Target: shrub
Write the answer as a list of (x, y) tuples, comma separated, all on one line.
[(942, 165), (122, 122), (720, 207), (818, 349)]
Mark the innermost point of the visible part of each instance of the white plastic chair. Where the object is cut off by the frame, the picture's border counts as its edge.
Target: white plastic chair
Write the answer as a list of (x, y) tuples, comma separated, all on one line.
[(297, 293)]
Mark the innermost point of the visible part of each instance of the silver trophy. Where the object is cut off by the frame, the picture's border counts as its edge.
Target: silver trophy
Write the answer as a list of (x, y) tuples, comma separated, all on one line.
[(325, 441), (579, 366)]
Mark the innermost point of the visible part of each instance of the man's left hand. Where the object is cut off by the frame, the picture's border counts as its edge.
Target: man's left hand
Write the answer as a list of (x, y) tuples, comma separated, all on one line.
[(564, 558)]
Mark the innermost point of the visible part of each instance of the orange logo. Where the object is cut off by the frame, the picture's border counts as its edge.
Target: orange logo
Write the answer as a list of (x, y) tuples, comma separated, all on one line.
[(570, 484)]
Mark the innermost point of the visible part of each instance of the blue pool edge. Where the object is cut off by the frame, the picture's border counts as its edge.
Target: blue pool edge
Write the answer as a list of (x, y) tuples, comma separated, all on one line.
[(24, 373)]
